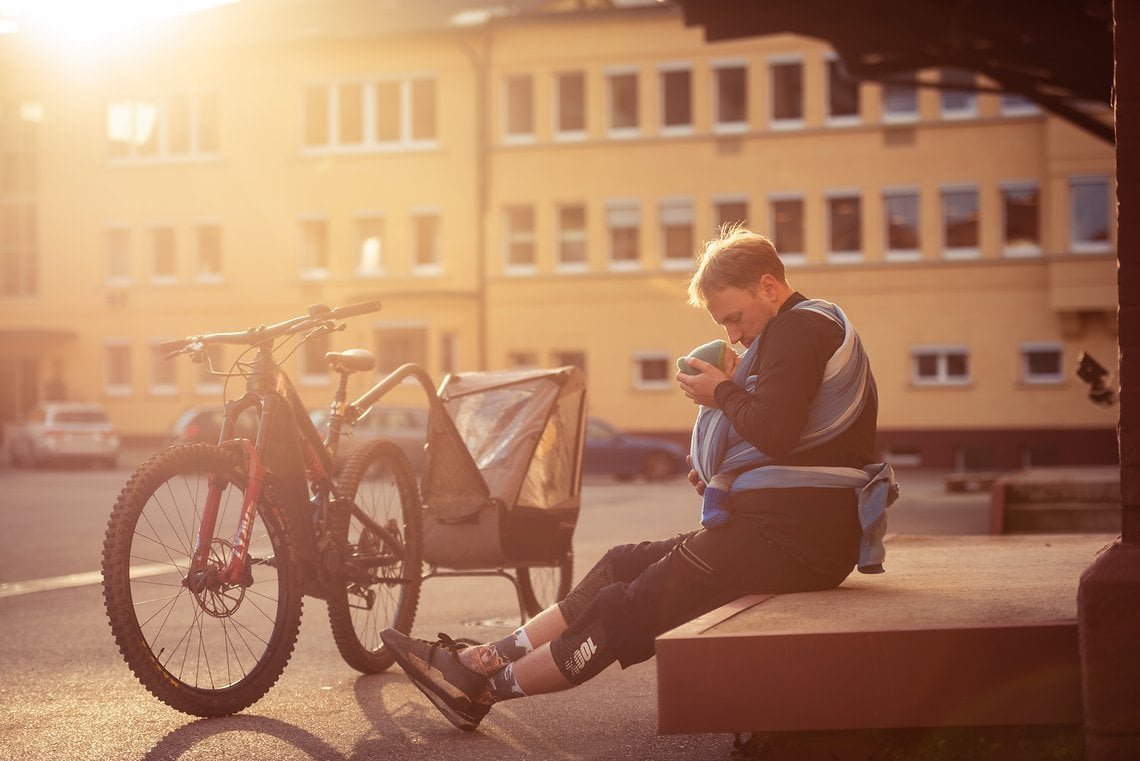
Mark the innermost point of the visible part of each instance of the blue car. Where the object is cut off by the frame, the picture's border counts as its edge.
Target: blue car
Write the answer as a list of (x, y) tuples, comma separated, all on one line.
[(608, 451)]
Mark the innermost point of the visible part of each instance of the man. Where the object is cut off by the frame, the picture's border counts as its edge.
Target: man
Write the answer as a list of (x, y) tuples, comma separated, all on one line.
[(799, 408)]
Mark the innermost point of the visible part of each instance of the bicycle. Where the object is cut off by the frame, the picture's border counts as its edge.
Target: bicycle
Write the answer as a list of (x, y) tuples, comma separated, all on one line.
[(210, 548)]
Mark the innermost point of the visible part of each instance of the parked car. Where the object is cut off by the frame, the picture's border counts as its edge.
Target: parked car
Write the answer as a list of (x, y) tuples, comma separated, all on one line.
[(406, 427), (204, 423), (609, 451), (64, 431)]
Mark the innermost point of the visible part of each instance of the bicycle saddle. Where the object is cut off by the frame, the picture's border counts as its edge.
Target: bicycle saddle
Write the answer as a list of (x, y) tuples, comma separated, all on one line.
[(351, 360)]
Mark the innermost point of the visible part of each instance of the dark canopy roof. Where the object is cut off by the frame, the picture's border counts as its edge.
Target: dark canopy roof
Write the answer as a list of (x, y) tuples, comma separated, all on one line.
[(1056, 52)]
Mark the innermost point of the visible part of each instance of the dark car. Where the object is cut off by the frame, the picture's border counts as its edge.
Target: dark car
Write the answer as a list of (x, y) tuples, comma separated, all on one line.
[(406, 427), (204, 423), (609, 451)]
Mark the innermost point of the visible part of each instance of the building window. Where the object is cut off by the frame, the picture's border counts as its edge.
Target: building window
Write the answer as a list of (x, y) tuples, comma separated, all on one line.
[(448, 353), (178, 127), (118, 243), (518, 239), (117, 368), (786, 80), (842, 95), (729, 211), (900, 102), (314, 248), (522, 359), (1016, 104), (1021, 218), (397, 345), (350, 114), (940, 366), (652, 370), (1089, 204), (787, 215), (676, 233), (518, 108), (959, 99), (163, 372), (569, 358), (844, 226), (621, 103), (570, 118), (394, 113), (730, 96), (205, 381), (960, 222), (425, 244), (623, 228), (900, 214), (369, 243), (676, 100), (163, 259), (19, 175), (208, 252), (1041, 363), (314, 368), (572, 237)]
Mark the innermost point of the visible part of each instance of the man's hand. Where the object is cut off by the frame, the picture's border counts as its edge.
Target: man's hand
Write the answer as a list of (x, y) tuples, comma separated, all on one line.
[(694, 479), (700, 387)]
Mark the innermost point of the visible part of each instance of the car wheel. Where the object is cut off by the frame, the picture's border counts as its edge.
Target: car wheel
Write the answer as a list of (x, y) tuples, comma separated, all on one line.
[(659, 466)]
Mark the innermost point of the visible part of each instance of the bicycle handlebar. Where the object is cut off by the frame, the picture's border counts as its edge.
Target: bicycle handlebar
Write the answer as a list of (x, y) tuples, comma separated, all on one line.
[(318, 313)]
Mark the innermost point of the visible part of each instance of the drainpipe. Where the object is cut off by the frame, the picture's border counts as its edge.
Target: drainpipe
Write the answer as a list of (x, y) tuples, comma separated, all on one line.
[(480, 65)]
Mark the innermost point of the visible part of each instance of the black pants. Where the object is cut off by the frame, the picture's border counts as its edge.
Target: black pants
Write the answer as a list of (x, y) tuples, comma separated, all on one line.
[(638, 591)]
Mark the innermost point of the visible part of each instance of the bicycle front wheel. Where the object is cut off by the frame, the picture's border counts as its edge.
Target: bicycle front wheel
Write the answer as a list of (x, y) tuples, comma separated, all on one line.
[(382, 561), (206, 647)]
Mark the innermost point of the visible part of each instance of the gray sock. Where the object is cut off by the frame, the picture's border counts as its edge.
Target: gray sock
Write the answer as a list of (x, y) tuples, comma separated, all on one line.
[(504, 686)]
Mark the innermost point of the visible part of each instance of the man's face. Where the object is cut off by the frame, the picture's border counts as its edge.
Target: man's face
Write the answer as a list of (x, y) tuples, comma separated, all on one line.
[(743, 314)]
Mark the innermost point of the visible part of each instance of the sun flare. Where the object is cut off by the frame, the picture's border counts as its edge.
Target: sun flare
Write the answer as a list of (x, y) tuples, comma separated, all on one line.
[(83, 25)]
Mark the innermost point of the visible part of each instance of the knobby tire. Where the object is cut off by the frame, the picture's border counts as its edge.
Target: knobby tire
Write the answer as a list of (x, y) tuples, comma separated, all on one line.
[(381, 590), (214, 652)]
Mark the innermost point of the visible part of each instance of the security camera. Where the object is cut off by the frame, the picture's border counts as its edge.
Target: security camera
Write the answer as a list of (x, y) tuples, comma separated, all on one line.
[(1093, 373)]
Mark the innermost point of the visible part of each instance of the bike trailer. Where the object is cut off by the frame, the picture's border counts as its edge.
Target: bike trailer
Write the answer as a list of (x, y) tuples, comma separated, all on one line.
[(502, 486)]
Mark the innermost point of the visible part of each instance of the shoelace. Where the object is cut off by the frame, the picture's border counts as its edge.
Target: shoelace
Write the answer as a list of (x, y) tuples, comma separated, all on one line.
[(447, 643)]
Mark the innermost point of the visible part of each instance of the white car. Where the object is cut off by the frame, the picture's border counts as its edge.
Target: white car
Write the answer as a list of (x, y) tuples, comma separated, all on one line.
[(59, 431)]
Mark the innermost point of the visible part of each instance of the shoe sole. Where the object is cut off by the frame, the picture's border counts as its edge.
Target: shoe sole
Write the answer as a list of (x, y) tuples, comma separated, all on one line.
[(459, 719)]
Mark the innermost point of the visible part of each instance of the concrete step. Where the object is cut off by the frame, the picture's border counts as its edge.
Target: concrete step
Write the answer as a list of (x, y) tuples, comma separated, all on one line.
[(960, 631)]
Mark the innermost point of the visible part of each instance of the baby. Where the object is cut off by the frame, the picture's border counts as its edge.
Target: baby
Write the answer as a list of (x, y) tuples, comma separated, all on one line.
[(714, 509)]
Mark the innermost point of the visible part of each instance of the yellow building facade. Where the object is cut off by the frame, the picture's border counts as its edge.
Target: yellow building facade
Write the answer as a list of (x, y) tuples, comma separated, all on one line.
[(530, 191)]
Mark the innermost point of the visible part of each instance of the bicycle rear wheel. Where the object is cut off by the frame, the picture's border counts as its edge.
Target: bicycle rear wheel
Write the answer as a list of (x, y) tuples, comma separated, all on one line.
[(214, 651), (382, 588), (541, 586)]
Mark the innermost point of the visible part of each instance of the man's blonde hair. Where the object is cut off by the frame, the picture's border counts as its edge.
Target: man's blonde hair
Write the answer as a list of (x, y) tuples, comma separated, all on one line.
[(737, 257)]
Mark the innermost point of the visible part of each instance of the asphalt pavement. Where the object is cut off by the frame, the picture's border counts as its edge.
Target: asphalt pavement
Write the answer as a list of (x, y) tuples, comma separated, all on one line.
[(65, 693)]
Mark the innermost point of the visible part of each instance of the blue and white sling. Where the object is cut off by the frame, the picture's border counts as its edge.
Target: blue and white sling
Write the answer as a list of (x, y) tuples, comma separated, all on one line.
[(728, 463)]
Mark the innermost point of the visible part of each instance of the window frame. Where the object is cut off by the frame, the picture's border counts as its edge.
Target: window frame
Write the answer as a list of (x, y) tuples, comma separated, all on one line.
[(201, 275), (723, 126), (565, 235), (663, 71), (790, 258), (1024, 249), (622, 132), (435, 266), (113, 279), (525, 136), (156, 277), (1090, 246), (894, 116), (306, 270), (902, 254), (616, 207), (360, 221), (680, 208), (970, 108), (941, 352), (513, 237), (570, 135), (844, 256), (785, 123), (111, 388), (156, 363), (1028, 377), (831, 62), (959, 253), (639, 382)]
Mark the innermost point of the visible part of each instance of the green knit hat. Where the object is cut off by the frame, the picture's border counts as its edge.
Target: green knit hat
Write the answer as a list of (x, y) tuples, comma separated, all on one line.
[(714, 352)]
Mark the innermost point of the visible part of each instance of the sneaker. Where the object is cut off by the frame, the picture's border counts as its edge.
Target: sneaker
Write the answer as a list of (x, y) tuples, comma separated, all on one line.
[(435, 669)]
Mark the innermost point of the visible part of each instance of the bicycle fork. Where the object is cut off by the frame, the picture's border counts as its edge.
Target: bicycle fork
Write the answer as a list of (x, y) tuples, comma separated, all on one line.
[(235, 572)]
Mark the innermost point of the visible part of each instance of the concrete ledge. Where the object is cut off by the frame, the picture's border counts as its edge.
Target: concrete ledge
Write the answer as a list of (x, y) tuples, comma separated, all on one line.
[(960, 631), (1053, 500)]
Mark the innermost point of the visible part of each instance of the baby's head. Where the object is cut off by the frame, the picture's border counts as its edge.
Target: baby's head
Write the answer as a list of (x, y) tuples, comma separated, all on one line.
[(714, 352)]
